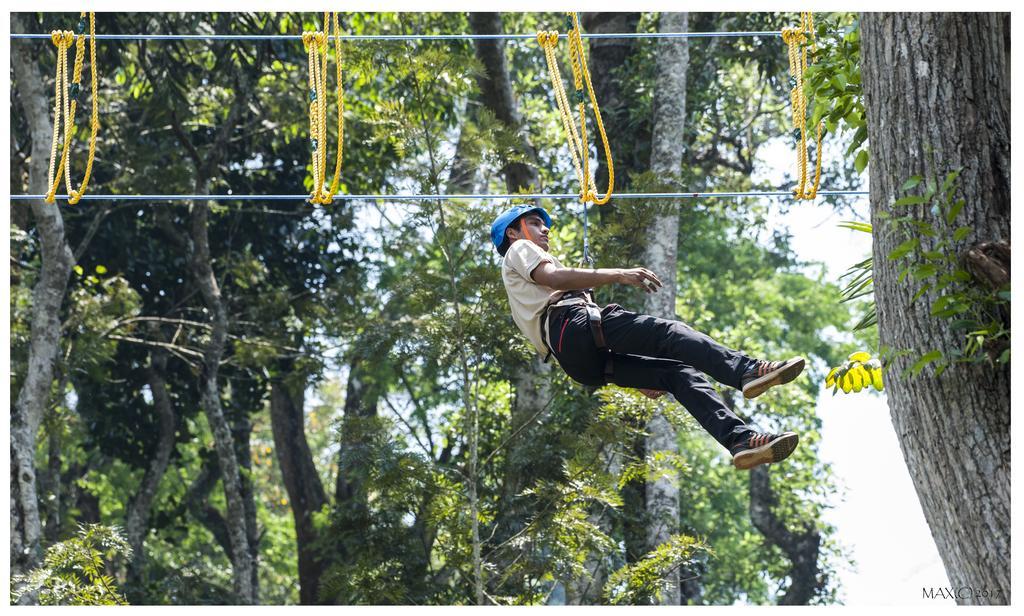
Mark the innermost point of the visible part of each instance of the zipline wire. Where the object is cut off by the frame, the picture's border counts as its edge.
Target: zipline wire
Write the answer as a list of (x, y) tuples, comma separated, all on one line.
[(403, 37), (456, 197)]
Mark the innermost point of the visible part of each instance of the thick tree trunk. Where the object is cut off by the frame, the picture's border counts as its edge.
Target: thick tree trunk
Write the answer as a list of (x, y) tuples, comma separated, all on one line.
[(137, 516), (671, 62), (301, 480), (47, 296), (498, 96), (937, 94), (607, 58)]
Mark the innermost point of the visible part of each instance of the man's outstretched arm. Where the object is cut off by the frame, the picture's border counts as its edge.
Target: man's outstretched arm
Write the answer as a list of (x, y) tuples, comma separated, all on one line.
[(574, 279)]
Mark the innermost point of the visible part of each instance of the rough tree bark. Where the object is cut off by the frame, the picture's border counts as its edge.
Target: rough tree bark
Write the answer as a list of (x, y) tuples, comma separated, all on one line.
[(47, 297), (937, 95), (301, 480), (137, 516), (671, 62)]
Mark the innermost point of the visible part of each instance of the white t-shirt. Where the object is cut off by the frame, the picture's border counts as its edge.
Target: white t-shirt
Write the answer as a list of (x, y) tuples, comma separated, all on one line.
[(526, 297)]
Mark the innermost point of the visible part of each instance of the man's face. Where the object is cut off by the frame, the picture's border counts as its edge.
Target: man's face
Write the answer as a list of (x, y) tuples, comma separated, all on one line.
[(530, 227)]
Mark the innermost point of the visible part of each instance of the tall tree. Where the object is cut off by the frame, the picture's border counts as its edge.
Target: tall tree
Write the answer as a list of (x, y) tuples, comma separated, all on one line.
[(937, 96), (47, 298), (671, 63), (207, 166)]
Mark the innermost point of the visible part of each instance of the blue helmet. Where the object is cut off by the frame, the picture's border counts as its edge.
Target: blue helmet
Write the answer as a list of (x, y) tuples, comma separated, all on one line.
[(509, 216)]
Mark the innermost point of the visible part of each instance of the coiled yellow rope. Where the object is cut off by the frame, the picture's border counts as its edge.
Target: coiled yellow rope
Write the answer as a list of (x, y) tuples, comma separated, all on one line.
[(66, 104), (795, 38), (316, 48), (579, 148)]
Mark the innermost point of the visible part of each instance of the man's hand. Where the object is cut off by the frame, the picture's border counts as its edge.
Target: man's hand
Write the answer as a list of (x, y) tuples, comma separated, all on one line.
[(653, 394), (640, 277)]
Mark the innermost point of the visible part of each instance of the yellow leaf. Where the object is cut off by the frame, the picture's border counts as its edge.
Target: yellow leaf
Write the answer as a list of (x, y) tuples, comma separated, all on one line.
[(876, 379), (847, 383), (831, 378), (860, 356), (856, 380)]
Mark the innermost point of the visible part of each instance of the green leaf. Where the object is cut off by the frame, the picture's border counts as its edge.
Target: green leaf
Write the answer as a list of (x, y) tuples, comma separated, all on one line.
[(961, 233), (856, 226), (920, 292), (910, 183), (940, 303), (904, 248), (78, 270), (1004, 295), (100, 269), (947, 184), (926, 359), (911, 200), (924, 271), (954, 210), (861, 162)]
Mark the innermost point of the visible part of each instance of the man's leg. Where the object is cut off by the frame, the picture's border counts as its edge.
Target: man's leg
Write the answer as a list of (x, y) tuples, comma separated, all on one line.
[(689, 387), (640, 334)]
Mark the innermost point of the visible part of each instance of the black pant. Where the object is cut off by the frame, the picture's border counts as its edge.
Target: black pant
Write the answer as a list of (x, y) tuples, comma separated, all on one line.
[(653, 353)]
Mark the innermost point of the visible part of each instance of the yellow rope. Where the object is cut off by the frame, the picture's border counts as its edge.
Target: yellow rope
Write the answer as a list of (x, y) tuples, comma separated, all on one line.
[(316, 48), (795, 39), (575, 34), (66, 102), (60, 41), (579, 148), (329, 197)]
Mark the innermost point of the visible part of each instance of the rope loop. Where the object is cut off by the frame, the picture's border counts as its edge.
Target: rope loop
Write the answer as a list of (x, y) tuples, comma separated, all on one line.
[(579, 147), (316, 44), (66, 105), (797, 39)]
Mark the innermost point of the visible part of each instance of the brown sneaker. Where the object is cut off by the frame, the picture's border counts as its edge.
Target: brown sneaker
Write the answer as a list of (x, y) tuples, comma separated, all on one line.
[(767, 374), (763, 448)]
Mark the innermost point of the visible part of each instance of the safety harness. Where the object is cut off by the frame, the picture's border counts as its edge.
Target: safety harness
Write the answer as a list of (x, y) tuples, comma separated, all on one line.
[(575, 298)]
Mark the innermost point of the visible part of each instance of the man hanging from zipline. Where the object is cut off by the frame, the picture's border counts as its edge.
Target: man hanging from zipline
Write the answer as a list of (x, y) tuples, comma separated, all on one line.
[(551, 304)]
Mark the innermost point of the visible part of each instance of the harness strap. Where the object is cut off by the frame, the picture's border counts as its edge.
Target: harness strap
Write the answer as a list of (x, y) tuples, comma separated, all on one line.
[(584, 298)]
